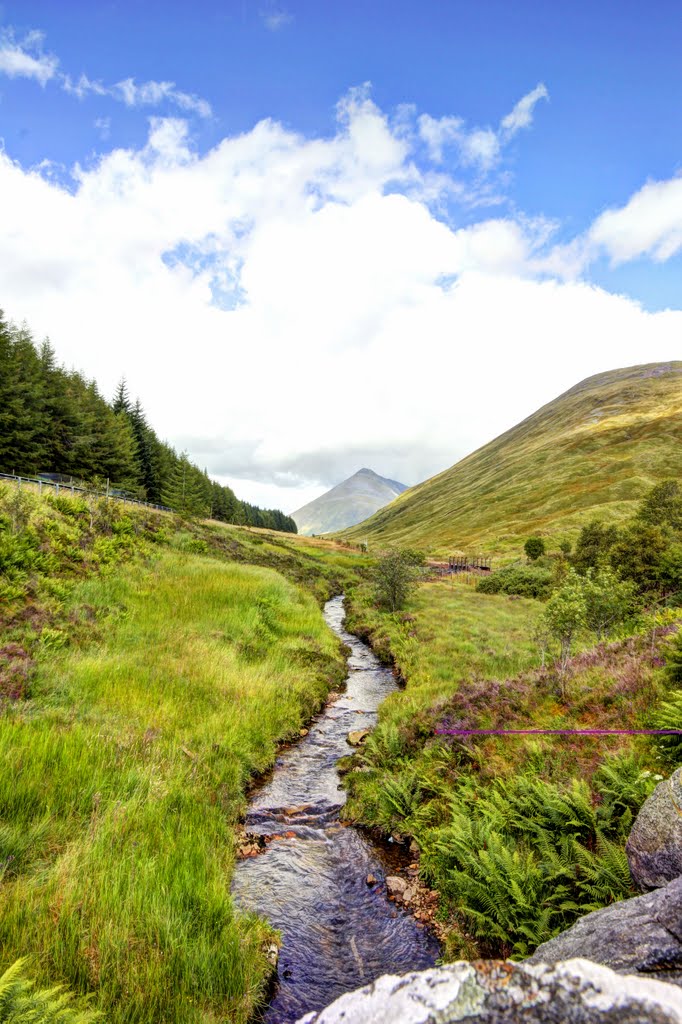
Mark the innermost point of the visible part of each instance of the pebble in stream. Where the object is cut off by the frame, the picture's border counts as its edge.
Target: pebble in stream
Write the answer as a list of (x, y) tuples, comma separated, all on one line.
[(337, 932)]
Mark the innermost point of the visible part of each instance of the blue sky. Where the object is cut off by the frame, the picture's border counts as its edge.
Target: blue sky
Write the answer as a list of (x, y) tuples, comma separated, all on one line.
[(528, 153)]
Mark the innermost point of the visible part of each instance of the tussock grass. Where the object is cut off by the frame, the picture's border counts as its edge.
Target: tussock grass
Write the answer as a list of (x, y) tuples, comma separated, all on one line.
[(124, 773), (595, 450)]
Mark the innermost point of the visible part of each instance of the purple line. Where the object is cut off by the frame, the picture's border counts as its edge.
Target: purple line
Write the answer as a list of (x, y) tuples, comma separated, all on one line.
[(558, 732)]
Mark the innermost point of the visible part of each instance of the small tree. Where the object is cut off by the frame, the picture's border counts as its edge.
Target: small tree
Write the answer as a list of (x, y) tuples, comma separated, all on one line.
[(534, 548), (395, 576), (608, 600), (565, 615), (662, 505)]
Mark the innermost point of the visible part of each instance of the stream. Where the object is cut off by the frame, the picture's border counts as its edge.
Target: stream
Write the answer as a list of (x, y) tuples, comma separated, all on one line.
[(338, 933)]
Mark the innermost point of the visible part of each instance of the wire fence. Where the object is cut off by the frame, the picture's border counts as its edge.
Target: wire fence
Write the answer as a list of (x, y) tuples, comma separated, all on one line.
[(69, 487)]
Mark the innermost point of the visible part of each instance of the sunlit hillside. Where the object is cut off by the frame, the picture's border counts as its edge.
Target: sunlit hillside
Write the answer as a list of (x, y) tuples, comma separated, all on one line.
[(595, 450)]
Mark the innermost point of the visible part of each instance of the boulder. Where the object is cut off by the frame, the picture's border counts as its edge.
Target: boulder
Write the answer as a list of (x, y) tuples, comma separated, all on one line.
[(499, 992), (395, 886), (358, 736), (641, 936), (654, 847)]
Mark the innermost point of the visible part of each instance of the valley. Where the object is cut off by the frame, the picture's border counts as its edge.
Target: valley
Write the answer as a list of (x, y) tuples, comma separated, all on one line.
[(208, 776)]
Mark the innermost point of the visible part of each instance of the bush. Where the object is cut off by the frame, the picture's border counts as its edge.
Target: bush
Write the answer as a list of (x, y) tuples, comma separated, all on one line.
[(534, 547), (395, 576), (524, 580)]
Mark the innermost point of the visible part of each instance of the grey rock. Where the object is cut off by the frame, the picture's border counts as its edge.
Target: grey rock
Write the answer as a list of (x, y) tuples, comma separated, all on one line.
[(498, 992), (641, 936), (358, 736), (654, 847), (395, 886)]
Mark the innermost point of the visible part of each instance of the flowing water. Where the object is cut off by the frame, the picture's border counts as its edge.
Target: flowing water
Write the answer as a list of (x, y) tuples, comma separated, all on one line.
[(338, 933)]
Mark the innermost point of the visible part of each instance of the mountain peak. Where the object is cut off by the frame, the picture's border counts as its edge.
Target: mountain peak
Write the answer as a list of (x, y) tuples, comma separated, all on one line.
[(347, 503)]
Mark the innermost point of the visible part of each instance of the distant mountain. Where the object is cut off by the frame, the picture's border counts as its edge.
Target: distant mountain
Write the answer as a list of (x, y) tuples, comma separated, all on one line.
[(593, 451), (347, 504)]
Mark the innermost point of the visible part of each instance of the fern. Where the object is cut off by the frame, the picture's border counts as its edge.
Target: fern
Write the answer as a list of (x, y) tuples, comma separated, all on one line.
[(523, 859), (22, 1003)]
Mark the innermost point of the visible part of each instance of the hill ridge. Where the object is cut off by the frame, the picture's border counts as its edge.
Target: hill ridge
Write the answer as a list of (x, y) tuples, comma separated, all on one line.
[(601, 443)]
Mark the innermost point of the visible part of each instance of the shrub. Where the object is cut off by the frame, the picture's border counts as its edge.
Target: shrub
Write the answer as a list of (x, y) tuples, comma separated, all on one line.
[(534, 548), (524, 580), (395, 576)]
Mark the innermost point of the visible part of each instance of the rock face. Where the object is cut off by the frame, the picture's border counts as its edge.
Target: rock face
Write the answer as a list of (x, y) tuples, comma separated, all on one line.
[(497, 992), (654, 847), (638, 936)]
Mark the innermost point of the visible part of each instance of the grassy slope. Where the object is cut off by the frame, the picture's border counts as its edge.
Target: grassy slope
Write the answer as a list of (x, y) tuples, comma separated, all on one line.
[(594, 450), (469, 658), (148, 696)]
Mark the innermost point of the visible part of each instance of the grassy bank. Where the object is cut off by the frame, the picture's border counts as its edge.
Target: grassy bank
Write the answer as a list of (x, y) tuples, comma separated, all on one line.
[(147, 678), (520, 835)]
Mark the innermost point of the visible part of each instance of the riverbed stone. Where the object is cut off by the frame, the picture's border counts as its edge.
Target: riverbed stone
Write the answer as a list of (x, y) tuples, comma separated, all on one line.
[(654, 847), (358, 736), (395, 886), (500, 992), (642, 935)]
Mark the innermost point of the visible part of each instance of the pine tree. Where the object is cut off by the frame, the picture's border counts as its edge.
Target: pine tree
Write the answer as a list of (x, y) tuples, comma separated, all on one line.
[(183, 492), (121, 402), (22, 413)]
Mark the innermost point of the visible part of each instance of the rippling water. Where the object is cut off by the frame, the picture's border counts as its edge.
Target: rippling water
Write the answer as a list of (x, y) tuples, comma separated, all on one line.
[(337, 932)]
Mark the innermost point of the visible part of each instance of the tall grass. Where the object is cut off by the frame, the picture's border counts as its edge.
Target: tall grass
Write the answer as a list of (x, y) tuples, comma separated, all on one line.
[(124, 773)]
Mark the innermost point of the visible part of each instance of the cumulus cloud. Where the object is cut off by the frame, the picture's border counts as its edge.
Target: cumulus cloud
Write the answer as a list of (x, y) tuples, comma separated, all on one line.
[(25, 58), (650, 224), (292, 308)]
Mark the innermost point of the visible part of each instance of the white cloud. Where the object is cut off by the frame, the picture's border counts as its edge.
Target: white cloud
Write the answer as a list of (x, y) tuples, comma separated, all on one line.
[(275, 18), (291, 308), (522, 114), (153, 93), (650, 224), (478, 147), (103, 126), (25, 59), (439, 132), (146, 94)]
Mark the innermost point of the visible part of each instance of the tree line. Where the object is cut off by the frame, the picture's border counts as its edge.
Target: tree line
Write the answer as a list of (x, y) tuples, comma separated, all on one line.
[(54, 420)]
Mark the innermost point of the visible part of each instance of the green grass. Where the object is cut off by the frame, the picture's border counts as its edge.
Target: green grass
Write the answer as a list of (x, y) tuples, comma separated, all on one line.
[(469, 661), (593, 451), (157, 690)]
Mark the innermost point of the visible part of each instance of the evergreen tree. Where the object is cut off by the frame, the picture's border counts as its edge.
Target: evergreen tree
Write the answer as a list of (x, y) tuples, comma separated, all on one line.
[(121, 402), (183, 492), (22, 415)]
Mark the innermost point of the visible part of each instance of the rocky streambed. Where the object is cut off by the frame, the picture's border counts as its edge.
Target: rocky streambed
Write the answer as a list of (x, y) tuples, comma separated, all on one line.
[(321, 883)]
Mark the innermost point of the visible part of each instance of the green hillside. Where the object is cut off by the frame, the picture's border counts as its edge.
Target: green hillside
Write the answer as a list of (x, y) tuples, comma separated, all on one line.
[(595, 450)]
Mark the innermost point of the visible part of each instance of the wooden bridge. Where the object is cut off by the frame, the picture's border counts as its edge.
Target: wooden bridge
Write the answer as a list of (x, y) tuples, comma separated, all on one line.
[(470, 563)]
